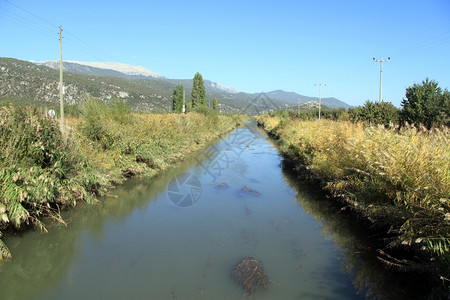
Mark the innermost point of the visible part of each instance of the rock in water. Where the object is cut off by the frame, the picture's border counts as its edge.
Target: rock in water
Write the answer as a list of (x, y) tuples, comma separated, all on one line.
[(249, 273)]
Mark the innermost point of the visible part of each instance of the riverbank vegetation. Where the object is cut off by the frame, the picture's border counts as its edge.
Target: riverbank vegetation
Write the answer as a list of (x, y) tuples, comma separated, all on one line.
[(43, 172), (397, 179)]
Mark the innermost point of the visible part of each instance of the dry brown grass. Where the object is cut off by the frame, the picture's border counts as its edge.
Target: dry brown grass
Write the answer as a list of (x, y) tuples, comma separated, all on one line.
[(393, 176)]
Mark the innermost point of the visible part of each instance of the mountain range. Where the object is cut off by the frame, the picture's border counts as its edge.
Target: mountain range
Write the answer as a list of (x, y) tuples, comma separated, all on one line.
[(103, 69), (140, 87), (122, 70)]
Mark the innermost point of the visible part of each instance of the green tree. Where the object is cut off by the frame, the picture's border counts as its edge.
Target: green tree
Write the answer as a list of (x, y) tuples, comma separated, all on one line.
[(177, 102), (426, 104), (198, 96), (215, 104), (383, 113), (188, 107)]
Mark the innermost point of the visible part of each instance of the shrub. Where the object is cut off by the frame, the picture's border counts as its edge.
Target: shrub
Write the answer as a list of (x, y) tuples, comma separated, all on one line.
[(120, 111), (94, 116), (383, 113), (426, 104)]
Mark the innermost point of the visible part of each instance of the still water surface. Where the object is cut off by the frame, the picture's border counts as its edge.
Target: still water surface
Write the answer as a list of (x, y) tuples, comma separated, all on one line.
[(178, 236)]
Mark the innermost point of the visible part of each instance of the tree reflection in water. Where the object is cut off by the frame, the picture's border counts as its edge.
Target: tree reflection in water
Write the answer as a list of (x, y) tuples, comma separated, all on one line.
[(370, 276)]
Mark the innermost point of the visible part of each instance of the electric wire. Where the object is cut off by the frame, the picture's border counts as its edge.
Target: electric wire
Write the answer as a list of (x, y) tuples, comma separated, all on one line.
[(26, 22), (24, 18)]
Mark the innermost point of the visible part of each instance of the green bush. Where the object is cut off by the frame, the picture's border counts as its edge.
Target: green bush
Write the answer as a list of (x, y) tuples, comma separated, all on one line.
[(94, 115), (383, 113), (426, 104), (120, 111)]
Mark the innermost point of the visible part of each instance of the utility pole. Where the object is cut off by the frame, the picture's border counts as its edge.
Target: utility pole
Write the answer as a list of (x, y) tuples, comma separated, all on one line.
[(381, 60), (320, 85), (184, 101), (61, 86), (298, 107)]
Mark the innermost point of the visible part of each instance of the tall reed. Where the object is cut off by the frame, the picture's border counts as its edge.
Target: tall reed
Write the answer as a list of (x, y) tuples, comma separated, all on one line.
[(399, 178), (37, 169)]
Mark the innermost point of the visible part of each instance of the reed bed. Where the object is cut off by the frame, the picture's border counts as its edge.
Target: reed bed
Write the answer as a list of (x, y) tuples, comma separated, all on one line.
[(399, 179)]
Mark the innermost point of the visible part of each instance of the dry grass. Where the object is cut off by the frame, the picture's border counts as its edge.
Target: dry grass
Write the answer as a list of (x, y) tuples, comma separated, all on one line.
[(397, 177), (269, 123), (160, 139)]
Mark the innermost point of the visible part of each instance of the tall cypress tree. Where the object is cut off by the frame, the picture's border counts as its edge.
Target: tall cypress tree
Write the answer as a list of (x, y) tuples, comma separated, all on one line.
[(215, 104), (198, 95), (177, 104)]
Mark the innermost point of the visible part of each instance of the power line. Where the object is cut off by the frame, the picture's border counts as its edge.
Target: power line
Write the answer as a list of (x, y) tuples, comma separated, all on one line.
[(88, 48), (436, 41), (433, 42), (29, 27), (31, 21), (31, 14)]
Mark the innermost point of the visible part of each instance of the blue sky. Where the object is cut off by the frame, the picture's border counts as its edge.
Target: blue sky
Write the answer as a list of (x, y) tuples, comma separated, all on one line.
[(253, 46)]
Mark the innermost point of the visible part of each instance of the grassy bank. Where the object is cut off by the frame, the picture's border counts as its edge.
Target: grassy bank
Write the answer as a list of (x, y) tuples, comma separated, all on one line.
[(43, 172), (398, 180)]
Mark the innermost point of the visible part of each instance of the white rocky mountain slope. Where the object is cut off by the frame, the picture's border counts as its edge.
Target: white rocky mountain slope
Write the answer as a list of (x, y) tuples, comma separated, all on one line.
[(120, 67)]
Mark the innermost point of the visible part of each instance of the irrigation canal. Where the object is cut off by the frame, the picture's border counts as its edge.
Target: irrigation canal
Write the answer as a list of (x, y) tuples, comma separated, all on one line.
[(179, 235)]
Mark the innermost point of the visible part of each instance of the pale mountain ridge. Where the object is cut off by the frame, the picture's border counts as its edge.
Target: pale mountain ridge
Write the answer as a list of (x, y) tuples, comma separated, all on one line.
[(122, 70), (120, 67), (141, 71), (227, 89)]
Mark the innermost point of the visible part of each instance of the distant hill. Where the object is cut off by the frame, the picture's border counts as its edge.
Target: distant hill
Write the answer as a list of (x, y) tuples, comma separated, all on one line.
[(213, 88), (40, 83), (141, 88), (292, 99), (26, 80)]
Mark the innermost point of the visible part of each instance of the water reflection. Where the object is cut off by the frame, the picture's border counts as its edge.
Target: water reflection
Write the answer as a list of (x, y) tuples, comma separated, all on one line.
[(370, 276), (42, 260)]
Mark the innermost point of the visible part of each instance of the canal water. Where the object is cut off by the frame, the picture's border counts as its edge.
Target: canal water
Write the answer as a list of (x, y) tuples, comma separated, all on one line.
[(179, 235)]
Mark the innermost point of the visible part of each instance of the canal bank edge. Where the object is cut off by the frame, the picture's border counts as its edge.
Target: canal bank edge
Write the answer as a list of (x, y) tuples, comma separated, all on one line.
[(326, 152), (43, 172)]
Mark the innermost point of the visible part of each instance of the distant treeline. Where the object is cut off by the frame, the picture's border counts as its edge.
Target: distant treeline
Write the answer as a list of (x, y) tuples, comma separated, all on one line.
[(426, 105)]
